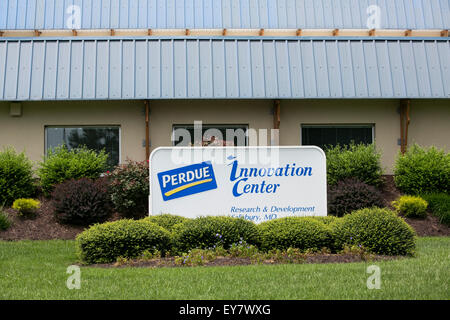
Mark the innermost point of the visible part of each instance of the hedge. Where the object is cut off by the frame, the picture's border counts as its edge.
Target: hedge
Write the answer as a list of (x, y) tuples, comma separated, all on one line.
[(422, 170), (129, 188), (351, 194), (81, 202), (439, 205), (167, 221), (358, 161), (411, 206), (103, 243), (62, 164), (16, 176), (378, 230), (304, 233), (210, 231)]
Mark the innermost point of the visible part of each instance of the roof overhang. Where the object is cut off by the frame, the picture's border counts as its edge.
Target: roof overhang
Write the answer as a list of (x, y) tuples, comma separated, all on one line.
[(122, 68)]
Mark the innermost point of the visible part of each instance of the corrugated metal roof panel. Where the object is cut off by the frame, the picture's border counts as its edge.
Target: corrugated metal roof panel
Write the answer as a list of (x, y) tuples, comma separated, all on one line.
[(211, 14), (165, 68)]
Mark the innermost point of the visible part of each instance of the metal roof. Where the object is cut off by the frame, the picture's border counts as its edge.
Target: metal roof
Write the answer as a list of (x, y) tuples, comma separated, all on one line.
[(222, 68), (207, 14)]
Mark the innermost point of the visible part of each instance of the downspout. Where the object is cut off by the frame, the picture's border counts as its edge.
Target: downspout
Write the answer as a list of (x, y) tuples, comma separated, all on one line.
[(405, 106), (276, 115), (147, 130), (408, 104), (275, 134)]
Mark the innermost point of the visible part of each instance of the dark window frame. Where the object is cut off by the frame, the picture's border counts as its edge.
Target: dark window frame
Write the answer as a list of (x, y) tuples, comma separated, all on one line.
[(337, 125), (213, 126), (115, 126)]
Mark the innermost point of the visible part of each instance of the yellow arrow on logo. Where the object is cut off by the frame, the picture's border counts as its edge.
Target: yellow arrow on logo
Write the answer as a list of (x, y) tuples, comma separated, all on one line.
[(186, 186)]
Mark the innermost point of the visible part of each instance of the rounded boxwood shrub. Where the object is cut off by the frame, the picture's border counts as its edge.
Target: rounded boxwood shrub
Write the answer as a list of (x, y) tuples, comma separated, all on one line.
[(81, 202), (350, 195), (304, 233), (206, 232), (439, 205), (16, 176), (357, 161), (129, 187), (127, 238), (62, 164), (422, 170), (411, 206), (327, 220), (378, 230), (167, 221)]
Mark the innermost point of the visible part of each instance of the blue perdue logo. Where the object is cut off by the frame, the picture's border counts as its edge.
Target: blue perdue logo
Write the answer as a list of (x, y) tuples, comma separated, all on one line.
[(187, 180)]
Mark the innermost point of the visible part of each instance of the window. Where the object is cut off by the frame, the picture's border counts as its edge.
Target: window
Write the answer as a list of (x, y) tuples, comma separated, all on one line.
[(96, 138), (325, 135), (211, 135)]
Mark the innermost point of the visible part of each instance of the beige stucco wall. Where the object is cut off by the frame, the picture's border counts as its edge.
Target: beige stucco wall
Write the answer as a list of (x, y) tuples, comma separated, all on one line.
[(381, 113), (257, 114), (430, 120), (430, 123), (27, 132)]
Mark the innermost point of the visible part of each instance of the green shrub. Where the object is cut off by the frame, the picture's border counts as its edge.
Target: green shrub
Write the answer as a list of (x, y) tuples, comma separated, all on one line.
[(358, 161), (411, 206), (62, 164), (206, 232), (377, 230), (327, 220), (304, 233), (422, 170), (129, 187), (5, 223), (439, 205), (82, 202), (16, 176), (26, 207), (351, 194), (167, 221), (103, 243)]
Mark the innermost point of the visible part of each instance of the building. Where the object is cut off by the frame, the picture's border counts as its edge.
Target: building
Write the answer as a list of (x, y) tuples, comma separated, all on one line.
[(122, 75)]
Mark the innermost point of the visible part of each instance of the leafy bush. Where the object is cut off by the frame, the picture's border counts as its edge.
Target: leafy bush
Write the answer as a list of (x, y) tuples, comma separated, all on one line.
[(303, 233), (327, 220), (421, 171), (5, 223), (167, 221), (350, 194), (358, 161), (26, 207), (63, 164), (411, 206), (103, 243), (130, 189), (16, 176), (205, 232), (378, 230), (81, 202), (439, 205)]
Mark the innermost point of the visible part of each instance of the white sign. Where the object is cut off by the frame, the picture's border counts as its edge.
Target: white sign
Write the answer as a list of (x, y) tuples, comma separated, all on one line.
[(256, 183)]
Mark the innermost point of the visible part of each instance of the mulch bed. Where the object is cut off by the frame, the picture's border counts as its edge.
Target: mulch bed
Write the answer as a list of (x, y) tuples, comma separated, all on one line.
[(41, 227), (45, 227), (240, 261), (429, 227)]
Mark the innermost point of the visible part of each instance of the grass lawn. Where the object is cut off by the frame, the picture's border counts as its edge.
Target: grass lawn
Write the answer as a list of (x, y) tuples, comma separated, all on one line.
[(37, 270)]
